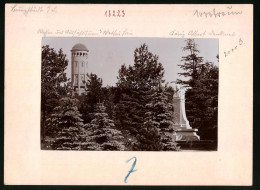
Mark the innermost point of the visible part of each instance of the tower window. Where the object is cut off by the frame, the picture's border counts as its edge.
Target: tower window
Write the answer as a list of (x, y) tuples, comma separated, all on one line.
[(80, 54)]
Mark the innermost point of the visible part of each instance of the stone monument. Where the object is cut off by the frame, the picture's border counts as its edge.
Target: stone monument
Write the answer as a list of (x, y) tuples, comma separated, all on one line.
[(183, 130)]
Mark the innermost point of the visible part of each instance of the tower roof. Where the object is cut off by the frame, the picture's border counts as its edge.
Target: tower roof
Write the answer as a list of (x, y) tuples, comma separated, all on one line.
[(79, 47)]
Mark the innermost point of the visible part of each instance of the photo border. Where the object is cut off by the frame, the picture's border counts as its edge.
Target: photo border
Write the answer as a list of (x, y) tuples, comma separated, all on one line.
[(256, 87)]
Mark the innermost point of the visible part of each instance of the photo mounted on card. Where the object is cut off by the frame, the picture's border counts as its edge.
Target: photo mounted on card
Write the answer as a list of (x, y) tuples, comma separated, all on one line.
[(128, 94)]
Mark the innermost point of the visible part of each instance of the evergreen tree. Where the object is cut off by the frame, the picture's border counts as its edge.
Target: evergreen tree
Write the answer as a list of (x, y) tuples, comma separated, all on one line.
[(151, 126), (54, 83), (202, 102), (109, 101), (94, 94), (192, 63), (101, 133), (162, 114), (66, 121), (202, 96), (145, 74), (134, 83), (130, 110), (148, 138)]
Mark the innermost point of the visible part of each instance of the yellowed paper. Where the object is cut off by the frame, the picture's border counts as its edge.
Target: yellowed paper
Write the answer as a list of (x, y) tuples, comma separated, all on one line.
[(26, 164)]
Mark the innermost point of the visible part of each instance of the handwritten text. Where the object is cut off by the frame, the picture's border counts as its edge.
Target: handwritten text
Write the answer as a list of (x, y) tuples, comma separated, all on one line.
[(234, 48), (200, 33), (216, 14), (132, 168), (85, 33), (26, 10)]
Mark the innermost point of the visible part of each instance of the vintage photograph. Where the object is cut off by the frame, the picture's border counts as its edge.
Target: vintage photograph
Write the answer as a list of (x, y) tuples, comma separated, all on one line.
[(129, 94)]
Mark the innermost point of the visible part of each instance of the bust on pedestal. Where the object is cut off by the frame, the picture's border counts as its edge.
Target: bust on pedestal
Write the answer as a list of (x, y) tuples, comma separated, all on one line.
[(183, 130)]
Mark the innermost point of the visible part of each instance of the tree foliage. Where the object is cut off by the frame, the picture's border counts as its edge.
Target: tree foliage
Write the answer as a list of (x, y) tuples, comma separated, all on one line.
[(137, 110), (192, 63), (146, 72), (101, 133), (136, 114), (131, 109), (54, 83), (67, 124), (148, 138), (134, 83), (94, 95), (202, 96), (162, 114)]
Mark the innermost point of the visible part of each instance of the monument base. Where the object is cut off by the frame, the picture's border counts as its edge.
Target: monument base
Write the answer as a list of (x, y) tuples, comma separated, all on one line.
[(202, 145), (186, 135)]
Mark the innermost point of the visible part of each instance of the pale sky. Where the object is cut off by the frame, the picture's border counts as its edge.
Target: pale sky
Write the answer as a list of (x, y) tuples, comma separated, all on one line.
[(106, 55)]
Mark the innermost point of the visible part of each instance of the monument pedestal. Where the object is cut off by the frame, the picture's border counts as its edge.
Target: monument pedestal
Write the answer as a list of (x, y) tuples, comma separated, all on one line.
[(186, 135), (183, 130)]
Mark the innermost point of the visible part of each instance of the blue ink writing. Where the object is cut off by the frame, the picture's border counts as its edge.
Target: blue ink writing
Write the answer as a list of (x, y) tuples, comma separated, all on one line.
[(132, 168)]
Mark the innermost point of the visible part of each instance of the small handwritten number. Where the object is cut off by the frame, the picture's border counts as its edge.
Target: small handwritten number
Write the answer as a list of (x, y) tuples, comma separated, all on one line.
[(234, 48), (132, 168)]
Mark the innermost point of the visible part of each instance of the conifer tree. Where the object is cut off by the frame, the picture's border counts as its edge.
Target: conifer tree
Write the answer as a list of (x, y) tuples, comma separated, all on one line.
[(130, 110), (192, 63), (162, 115), (134, 83), (202, 102), (101, 133), (94, 94), (148, 138), (109, 101), (66, 120), (54, 84), (202, 96)]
